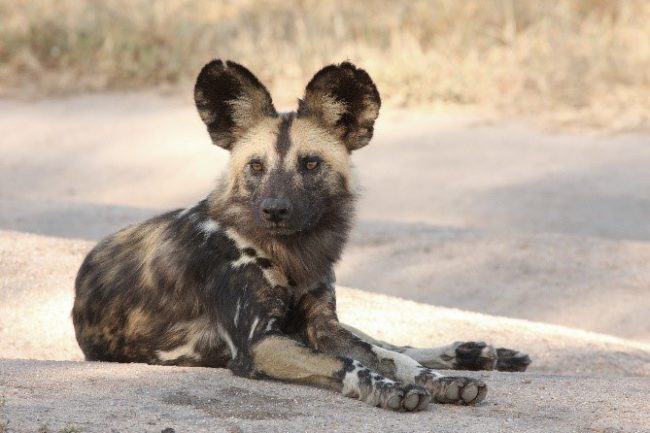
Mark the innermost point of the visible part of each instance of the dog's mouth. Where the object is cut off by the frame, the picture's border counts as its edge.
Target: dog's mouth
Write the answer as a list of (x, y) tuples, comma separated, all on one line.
[(279, 229), (286, 228)]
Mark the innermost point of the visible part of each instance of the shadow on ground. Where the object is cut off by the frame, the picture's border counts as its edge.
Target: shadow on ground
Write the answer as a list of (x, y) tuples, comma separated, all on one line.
[(54, 395), (68, 219)]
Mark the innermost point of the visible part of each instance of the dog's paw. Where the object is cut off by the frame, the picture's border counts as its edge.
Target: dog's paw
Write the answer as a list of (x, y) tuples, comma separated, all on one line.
[(371, 387), (512, 360), (474, 355), (454, 390), (404, 398), (477, 355)]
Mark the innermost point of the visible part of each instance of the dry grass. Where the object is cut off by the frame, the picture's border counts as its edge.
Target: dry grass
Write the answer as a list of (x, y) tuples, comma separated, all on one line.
[(587, 59)]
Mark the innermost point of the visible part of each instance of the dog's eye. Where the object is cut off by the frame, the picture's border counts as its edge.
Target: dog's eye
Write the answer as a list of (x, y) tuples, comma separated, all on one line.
[(256, 166), (311, 165)]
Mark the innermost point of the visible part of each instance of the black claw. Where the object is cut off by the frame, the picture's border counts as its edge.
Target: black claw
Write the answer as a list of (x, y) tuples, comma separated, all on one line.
[(511, 360)]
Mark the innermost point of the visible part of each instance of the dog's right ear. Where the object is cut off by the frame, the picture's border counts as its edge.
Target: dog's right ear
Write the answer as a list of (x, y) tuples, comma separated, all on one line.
[(230, 100)]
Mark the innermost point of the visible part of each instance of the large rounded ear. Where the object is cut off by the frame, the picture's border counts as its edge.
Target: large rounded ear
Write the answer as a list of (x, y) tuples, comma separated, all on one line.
[(344, 100), (230, 100)]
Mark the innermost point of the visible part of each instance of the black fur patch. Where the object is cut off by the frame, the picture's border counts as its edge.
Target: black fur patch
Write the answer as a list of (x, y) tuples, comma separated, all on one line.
[(348, 366), (250, 252), (264, 262), (284, 141)]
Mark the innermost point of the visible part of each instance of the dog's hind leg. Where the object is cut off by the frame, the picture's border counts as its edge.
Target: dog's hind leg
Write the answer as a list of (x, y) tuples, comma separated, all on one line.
[(470, 355), (279, 357)]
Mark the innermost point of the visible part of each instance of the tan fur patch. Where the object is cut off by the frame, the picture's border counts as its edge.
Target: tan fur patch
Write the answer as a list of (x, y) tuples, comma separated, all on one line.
[(330, 109), (371, 111), (151, 245), (309, 138), (258, 142), (240, 241), (275, 276), (143, 241), (282, 358), (247, 109), (138, 322)]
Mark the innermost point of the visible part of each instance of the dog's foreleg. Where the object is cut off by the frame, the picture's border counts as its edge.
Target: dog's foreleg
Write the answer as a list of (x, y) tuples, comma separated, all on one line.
[(324, 333), (279, 357), (459, 390)]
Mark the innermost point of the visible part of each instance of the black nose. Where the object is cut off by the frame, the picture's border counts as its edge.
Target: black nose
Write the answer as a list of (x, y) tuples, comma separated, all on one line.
[(276, 209)]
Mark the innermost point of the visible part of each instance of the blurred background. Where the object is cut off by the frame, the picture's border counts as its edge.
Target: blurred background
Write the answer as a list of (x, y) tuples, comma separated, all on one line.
[(570, 59), (509, 174)]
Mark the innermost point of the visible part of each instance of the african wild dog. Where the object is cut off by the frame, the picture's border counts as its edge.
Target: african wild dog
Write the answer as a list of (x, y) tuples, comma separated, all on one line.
[(244, 279)]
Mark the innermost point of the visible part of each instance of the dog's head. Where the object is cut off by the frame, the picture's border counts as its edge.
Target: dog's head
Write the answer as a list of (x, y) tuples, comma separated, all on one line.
[(288, 172)]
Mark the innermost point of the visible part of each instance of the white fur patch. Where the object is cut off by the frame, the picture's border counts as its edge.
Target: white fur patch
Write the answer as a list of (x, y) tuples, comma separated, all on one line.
[(352, 387), (208, 226), (236, 318), (253, 326), (351, 380), (406, 369), (186, 350), (226, 337), (242, 260)]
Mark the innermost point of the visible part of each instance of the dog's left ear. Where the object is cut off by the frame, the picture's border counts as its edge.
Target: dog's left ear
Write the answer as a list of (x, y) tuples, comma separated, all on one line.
[(344, 100)]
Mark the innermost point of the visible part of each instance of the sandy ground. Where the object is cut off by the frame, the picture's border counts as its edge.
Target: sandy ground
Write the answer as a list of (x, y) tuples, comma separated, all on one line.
[(529, 239), (111, 398)]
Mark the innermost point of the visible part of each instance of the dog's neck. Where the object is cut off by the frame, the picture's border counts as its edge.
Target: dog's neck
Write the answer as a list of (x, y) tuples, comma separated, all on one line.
[(306, 257)]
